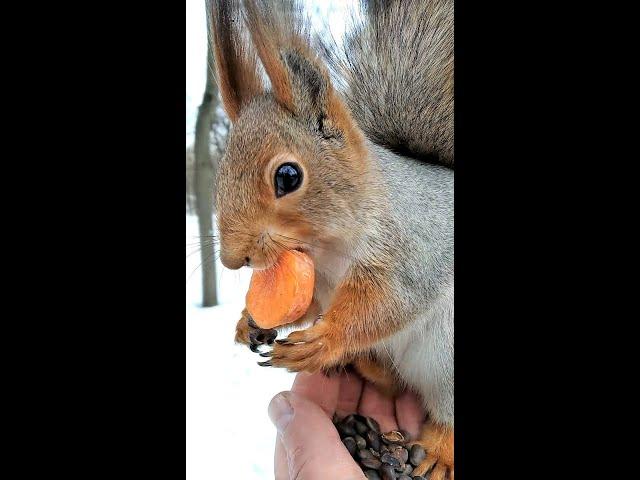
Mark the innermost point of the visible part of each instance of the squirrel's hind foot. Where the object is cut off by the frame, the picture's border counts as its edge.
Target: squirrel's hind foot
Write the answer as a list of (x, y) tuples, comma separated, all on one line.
[(437, 440)]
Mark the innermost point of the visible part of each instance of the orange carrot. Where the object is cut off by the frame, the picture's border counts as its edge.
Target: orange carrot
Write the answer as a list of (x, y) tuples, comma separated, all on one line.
[(282, 294)]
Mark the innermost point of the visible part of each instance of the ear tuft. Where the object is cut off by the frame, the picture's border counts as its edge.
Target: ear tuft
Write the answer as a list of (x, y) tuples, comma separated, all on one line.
[(300, 83), (281, 35), (269, 29), (236, 67)]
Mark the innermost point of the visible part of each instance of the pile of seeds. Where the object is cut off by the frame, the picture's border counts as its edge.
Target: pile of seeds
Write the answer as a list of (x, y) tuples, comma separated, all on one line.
[(382, 456)]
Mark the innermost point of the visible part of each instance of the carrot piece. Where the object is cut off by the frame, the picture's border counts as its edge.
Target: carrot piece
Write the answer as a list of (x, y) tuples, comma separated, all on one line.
[(281, 294)]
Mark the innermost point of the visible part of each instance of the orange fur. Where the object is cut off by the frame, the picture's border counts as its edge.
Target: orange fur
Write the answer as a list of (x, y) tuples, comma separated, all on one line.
[(361, 315), (338, 112), (242, 328), (378, 374)]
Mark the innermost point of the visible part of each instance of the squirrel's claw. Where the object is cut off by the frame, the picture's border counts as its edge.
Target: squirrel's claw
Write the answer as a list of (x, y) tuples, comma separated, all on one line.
[(248, 333), (307, 350), (259, 336)]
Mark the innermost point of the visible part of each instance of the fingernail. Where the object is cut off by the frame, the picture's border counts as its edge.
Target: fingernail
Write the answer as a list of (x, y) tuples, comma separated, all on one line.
[(280, 411)]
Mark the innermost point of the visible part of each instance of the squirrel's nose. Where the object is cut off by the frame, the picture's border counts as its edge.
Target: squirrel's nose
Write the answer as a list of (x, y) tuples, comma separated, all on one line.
[(232, 262)]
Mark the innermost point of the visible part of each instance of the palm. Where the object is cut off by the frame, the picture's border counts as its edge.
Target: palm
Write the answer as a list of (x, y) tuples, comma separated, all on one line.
[(349, 393)]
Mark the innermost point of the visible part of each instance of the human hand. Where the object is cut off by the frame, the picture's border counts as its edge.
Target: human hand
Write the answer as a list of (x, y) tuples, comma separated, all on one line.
[(308, 447)]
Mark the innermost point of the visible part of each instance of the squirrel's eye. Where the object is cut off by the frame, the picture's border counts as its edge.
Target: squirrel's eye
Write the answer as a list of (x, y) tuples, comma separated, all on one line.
[(288, 178)]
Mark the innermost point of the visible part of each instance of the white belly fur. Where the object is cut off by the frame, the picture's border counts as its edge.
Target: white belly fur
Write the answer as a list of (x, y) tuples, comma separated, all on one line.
[(422, 355)]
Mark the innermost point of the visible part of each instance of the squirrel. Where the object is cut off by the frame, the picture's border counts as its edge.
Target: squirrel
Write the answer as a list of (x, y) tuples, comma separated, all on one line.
[(348, 157)]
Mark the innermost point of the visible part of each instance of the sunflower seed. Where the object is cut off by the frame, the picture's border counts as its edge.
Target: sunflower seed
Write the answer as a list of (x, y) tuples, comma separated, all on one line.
[(360, 427), (371, 463), (417, 454), (391, 460), (373, 440), (371, 475), (393, 436), (360, 442), (387, 472), (372, 424), (351, 445)]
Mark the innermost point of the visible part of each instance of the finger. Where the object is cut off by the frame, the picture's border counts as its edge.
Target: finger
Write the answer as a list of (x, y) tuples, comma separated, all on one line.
[(312, 444), (319, 389), (410, 414), (280, 467), (349, 394), (375, 404)]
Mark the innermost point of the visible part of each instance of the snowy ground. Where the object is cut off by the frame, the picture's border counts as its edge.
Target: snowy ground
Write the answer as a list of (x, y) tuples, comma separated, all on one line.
[(227, 392)]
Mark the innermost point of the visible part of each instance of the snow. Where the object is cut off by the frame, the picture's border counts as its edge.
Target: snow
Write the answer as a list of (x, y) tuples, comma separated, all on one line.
[(229, 434)]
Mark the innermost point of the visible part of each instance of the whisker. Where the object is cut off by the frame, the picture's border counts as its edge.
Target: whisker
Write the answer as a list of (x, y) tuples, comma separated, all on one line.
[(199, 249), (201, 242), (193, 253), (201, 264), (271, 254)]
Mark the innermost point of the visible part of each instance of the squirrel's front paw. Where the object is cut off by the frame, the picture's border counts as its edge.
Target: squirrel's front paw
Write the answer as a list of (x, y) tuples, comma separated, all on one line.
[(307, 350), (248, 333)]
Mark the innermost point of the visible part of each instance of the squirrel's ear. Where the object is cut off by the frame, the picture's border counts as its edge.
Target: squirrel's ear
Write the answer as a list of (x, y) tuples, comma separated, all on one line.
[(310, 85), (299, 79), (236, 67), (267, 29)]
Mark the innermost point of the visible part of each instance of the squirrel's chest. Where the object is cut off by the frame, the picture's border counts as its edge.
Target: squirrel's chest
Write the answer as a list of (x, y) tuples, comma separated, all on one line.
[(330, 270)]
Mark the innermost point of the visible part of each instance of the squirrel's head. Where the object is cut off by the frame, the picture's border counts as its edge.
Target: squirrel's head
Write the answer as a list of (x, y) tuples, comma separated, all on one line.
[(295, 163)]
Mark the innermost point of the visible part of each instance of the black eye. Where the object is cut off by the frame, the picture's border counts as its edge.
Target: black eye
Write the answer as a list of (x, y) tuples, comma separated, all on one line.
[(288, 178)]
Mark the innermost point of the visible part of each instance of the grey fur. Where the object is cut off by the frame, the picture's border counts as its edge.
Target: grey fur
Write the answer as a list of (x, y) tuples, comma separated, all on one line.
[(420, 197), (396, 69)]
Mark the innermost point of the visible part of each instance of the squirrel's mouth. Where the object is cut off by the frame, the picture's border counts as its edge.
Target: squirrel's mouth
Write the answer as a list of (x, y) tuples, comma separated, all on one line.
[(267, 267)]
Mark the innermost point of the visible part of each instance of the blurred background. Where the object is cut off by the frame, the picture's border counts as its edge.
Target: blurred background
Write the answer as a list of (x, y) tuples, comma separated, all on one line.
[(229, 434)]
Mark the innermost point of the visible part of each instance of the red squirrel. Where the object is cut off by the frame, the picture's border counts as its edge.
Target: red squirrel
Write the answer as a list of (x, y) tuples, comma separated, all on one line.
[(349, 158)]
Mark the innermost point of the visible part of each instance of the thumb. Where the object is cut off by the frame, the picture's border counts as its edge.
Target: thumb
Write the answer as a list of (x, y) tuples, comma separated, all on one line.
[(312, 444)]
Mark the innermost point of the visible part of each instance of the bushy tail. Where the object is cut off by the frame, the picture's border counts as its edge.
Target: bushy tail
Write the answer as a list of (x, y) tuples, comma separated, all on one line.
[(396, 68)]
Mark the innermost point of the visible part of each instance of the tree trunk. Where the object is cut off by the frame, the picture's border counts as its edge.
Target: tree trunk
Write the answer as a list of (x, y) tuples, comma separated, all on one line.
[(204, 183), (189, 204)]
